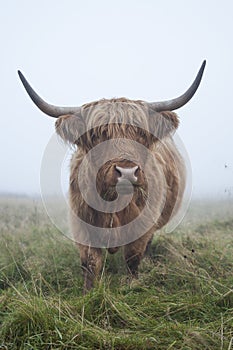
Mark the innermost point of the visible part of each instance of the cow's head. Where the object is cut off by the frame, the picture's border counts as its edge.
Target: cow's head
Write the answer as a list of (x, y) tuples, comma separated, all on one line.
[(142, 123)]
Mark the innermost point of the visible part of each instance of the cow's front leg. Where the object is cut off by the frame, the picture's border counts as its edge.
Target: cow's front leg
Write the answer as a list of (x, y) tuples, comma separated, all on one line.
[(135, 251), (91, 262)]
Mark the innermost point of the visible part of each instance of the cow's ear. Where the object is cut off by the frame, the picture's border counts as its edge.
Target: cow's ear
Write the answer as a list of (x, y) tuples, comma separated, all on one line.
[(164, 123), (70, 127)]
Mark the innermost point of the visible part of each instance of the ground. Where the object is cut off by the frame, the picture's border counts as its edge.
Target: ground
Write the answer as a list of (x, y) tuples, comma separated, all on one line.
[(183, 298)]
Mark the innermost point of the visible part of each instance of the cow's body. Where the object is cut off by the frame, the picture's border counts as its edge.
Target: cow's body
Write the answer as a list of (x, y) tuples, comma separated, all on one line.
[(165, 172), (141, 163)]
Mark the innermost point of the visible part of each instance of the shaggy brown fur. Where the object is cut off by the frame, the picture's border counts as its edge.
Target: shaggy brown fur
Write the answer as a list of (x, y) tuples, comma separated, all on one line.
[(122, 119)]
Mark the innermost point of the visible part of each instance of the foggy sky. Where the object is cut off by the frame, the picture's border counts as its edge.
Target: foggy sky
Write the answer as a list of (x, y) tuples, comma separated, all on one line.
[(73, 52)]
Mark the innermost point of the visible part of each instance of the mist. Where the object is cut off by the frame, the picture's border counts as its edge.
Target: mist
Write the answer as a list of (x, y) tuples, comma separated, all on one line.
[(74, 52)]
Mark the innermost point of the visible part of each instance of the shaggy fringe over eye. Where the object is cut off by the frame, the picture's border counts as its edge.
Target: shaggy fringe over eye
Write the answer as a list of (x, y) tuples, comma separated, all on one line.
[(116, 118), (114, 131), (111, 119)]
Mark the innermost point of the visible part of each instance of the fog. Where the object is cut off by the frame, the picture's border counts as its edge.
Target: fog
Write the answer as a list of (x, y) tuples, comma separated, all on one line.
[(73, 52)]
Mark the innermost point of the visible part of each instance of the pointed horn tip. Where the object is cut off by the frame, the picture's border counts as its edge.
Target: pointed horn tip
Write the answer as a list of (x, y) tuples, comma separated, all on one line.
[(201, 70), (203, 65), (21, 76)]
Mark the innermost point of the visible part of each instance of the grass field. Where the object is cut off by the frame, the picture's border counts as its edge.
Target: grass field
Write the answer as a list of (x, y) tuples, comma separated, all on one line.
[(183, 298)]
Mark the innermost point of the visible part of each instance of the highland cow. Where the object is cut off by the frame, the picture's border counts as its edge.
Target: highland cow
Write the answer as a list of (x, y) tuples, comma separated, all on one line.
[(142, 163)]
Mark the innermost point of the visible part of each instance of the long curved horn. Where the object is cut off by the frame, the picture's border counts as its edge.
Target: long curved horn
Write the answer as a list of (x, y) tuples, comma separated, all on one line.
[(51, 110), (180, 101)]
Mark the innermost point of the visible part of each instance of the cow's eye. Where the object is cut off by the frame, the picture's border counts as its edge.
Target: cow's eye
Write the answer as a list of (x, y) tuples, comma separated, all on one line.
[(104, 135), (93, 137)]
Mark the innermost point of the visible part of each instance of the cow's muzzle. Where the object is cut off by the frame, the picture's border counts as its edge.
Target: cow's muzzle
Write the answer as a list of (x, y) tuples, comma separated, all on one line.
[(127, 179)]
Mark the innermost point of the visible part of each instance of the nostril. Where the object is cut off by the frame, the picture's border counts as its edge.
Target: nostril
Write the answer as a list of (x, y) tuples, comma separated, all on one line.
[(136, 172), (118, 171)]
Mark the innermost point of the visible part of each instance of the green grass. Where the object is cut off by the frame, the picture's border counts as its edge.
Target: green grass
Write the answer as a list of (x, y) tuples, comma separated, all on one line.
[(183, 298)]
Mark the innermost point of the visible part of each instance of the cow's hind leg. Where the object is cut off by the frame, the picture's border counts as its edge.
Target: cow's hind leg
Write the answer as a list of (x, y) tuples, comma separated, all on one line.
[(135, 251), (91, 261)]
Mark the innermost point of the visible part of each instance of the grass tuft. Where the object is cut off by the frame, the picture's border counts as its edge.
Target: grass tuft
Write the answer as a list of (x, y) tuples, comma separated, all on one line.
[(182, 300)]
